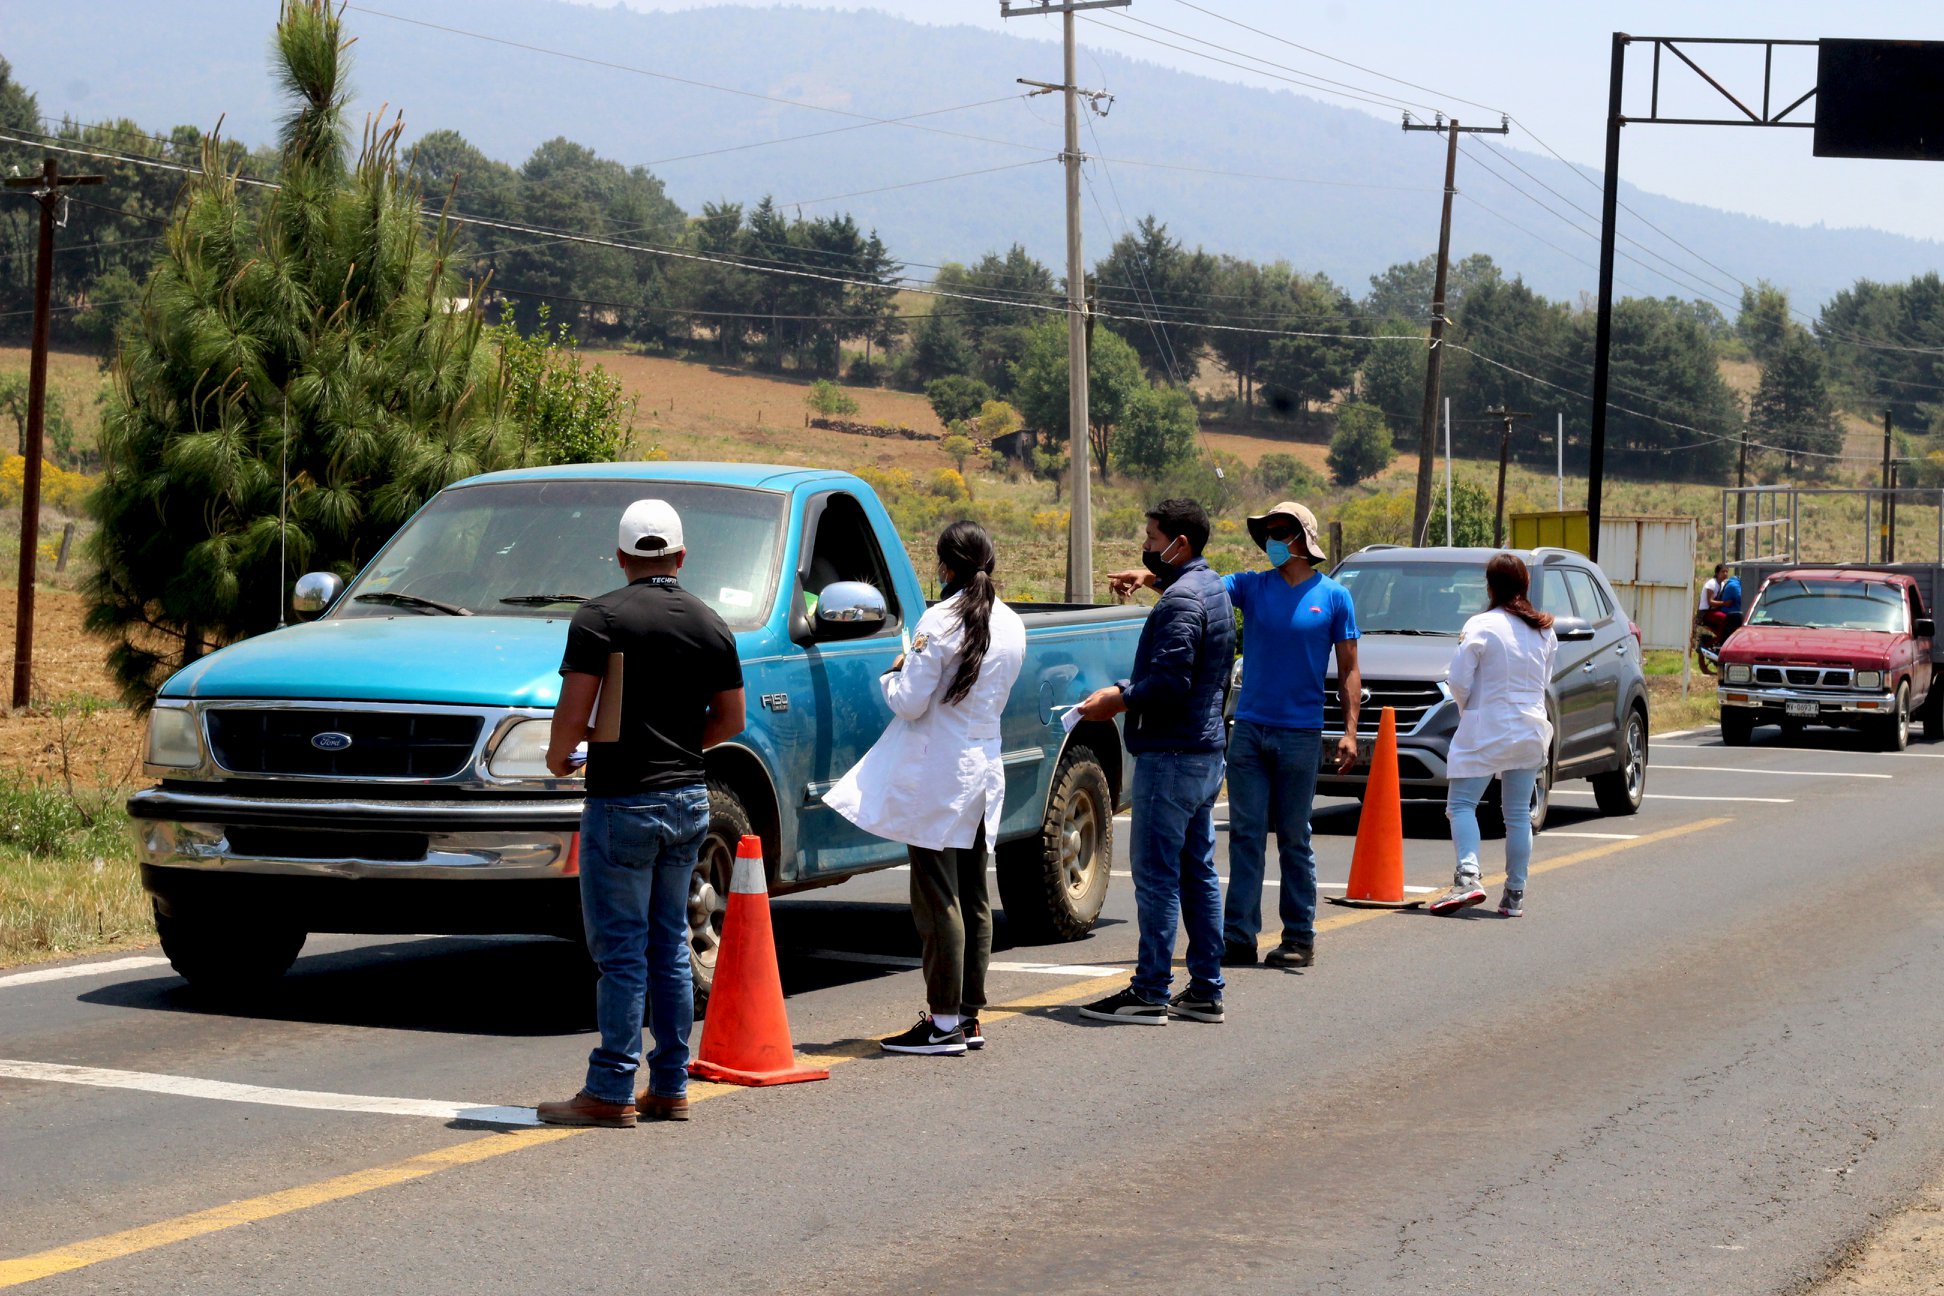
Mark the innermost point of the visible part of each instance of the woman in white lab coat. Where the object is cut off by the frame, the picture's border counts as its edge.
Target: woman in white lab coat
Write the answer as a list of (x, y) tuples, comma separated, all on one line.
[(1499, 677), (935, 782)]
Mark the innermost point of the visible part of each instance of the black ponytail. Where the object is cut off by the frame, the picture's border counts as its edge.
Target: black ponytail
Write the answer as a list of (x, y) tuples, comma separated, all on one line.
[(966, 550)]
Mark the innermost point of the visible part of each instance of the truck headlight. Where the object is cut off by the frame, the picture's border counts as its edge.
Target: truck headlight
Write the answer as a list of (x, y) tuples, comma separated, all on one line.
[(522, 753), (1869, 679), (1734, 674), (172, 739)]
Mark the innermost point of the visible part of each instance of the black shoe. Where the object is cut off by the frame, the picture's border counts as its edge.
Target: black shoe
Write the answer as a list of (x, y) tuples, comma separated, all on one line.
[(1188, 1004), (1128, 1009), (974, 1037), (1236, 954), (1290, 954), (926, 1037)]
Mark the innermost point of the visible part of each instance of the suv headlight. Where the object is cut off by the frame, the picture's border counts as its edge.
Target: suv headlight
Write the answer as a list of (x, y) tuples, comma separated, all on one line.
[(173, 742), (522, 753), (1869, 679), (1734, 674)]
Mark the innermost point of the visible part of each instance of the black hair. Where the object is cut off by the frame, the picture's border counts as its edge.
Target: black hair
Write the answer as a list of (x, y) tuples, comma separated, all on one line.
[(1182, 517), (966, 549)]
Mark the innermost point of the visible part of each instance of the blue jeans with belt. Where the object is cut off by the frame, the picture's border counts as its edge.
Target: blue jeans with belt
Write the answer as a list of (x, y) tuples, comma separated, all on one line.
[(1171, 853), (1271, 784), (637, 857)]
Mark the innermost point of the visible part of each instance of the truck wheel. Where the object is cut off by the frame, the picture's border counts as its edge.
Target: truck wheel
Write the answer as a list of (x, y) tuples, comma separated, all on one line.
[(1934, 712), (1053, 883), (709, 887), (1620, 792), (228, 956), (1736, 728), (1895, 734)]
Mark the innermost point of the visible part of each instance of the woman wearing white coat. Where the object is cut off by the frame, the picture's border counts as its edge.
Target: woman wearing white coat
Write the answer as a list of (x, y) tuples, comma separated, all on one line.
[(935, 782), (1499, 677)]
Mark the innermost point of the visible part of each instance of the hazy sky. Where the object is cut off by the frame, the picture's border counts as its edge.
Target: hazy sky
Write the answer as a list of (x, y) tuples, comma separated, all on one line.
[(1546, 63)]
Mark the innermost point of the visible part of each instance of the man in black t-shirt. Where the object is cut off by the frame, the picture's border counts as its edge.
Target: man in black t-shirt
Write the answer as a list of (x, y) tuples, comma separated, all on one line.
[(655, 671)]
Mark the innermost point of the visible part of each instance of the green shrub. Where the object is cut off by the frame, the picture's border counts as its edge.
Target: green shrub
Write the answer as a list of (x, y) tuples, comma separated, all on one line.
[(956, 398), (828, 399), (1362, 445), (1286, 477)]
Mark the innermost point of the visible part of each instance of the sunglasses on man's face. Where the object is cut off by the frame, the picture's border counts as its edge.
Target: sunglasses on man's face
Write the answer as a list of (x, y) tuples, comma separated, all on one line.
[(1282, 533)]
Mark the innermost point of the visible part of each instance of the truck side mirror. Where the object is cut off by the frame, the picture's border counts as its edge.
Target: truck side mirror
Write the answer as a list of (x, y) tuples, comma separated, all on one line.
[(850, 610), (315, 591), (1572, 629), (1926, 628)]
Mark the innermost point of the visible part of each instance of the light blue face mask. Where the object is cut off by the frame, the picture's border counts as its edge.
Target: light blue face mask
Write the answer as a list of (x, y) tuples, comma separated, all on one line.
[(1278, 553)]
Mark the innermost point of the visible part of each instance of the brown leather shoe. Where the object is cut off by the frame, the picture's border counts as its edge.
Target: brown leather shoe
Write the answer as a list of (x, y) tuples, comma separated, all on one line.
[(655, 1107), (585, 1109), (1290, 954)]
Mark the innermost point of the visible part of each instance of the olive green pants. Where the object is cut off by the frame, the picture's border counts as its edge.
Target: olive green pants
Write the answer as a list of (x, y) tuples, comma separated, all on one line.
[(954, 919)]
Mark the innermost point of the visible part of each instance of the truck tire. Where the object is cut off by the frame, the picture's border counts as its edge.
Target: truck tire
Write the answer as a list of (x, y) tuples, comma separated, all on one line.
[(1736, 728), (709, 887), (227, 955), (1053, 883), (1620, 792), (1894, 735), (1933, 711)]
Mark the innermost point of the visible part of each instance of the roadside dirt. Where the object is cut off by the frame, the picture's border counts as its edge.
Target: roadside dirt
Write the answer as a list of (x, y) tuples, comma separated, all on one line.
[(76, 712), (1903, 1258)]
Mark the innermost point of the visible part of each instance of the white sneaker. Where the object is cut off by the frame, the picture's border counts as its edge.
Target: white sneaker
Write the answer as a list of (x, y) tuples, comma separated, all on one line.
[(1462, 896)]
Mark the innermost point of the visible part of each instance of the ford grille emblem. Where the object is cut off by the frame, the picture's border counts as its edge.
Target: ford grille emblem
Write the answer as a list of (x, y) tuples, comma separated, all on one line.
[(331, 741)]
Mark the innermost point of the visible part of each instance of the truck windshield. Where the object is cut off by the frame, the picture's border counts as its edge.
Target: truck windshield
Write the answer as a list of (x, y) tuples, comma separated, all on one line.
[(1829, 605), (537, 548), (1430, 597)]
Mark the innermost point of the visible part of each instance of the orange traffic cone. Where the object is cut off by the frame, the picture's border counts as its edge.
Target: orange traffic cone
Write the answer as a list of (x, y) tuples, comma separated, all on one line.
[(1377, 864), (746, 1034)]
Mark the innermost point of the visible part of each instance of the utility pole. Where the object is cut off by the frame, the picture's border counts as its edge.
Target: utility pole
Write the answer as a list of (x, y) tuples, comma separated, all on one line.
[(49, 188), (1741, 500), (1505, 450), (1079, 578), (1434, 362), (1883, 526)]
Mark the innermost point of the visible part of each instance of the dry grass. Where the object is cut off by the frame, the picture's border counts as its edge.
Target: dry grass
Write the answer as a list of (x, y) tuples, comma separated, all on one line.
[(60, 907)]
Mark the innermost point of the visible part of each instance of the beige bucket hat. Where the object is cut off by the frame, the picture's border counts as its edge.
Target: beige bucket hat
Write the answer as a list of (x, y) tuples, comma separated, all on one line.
[(1302, 517)]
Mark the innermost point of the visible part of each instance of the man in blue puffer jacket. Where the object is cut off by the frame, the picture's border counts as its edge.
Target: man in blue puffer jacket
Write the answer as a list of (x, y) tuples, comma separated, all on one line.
[(1174, 704)]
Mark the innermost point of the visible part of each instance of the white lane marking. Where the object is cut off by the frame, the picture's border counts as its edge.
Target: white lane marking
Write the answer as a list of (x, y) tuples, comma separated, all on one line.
[(82, 970), (1678, 733), (1556, 832), (1672, 796), (905, 961), (1743, 769), (224, 1091)]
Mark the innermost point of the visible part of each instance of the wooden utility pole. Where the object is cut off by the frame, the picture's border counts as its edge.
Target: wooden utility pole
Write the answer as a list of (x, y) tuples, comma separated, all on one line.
[(1741, 500), (49, 188), (1079, 577), (1434, 362), (1505, 450), (1883, 525)]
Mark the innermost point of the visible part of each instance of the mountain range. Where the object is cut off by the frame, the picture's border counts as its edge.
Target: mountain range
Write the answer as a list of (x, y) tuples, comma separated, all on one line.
[(1264, 174)]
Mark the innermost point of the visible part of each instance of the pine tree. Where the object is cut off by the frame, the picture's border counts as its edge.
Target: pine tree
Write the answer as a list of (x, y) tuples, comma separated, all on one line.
[(319, 324), (1792, 409)]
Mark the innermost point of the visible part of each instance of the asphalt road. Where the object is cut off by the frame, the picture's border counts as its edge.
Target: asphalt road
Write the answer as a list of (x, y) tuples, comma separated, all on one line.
[(1705, 1061)]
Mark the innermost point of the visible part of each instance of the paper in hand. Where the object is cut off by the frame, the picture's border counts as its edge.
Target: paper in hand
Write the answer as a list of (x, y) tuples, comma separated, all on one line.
[(1069, 718)]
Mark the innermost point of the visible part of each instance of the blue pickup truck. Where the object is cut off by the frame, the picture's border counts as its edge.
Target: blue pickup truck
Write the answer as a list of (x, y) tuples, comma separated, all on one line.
[(381, 769)]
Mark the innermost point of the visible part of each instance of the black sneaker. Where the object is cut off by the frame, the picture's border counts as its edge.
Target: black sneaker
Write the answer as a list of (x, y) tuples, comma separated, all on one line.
[(1236, 954), (1128, 1009), (974, 1037), (1187, 1004), (926, 1037), (1290, 954)]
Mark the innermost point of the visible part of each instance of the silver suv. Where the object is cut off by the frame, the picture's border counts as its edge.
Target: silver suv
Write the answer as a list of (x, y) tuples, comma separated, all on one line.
[(1411, 605)]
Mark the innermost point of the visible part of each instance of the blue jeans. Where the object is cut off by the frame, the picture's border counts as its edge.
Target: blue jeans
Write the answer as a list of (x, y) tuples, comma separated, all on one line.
[(637, 856), (1172, 856), (1461, 807), (1271, 783)]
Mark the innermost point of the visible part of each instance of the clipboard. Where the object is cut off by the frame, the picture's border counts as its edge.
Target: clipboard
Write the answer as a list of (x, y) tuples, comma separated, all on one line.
[(607, 705)]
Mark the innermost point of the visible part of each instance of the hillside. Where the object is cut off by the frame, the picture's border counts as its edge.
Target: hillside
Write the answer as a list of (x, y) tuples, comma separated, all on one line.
[(207, 61)]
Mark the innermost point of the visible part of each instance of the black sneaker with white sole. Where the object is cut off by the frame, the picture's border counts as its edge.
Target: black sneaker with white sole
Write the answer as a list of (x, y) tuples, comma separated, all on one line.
[(974, 1037), (1196, 1008), (927, 1037), (1127, 1008)]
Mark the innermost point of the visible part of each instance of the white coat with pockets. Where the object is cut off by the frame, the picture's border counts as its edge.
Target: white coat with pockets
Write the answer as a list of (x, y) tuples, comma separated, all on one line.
[(1499, 676), (936, 774)]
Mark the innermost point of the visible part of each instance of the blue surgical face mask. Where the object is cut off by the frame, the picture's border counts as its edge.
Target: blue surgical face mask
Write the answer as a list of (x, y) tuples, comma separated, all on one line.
[(1278, 553)]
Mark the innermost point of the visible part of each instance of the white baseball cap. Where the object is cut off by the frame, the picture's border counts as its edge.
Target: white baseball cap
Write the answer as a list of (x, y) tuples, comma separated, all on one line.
[(651, 528)]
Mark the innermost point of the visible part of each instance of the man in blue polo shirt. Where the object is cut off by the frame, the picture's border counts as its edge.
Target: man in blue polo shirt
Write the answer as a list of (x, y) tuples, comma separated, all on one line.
[(1293, 618)]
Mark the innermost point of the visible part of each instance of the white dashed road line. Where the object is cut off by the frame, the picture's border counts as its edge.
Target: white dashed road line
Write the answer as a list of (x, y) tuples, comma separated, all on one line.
[(1674, 796), (39, 975), (1742, 769), (224, 1091)]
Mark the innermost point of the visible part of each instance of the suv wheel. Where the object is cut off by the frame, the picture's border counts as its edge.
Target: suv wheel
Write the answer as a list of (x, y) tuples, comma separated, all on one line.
[(1620, 792)]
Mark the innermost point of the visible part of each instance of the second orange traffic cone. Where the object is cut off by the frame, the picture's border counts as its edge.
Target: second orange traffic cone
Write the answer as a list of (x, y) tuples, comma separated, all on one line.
[(1377, 863), (746, 1034)]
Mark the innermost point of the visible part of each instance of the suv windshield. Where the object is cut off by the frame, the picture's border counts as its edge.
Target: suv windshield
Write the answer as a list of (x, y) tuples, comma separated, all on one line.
[(536, 548), (1830, 605), (1427, 597)]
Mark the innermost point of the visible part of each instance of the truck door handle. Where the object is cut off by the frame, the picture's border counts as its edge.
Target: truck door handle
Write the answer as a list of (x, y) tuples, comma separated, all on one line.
[(1588, 667)]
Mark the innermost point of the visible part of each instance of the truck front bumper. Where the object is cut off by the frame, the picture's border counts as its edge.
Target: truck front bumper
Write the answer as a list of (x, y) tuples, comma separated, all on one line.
[(1828, 705)]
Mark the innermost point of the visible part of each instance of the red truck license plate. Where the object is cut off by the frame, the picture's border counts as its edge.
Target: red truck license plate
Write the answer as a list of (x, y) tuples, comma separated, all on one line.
[(1800, 708)]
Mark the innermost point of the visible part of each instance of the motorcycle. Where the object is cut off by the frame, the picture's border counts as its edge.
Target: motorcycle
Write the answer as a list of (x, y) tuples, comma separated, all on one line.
[(1709, 636)]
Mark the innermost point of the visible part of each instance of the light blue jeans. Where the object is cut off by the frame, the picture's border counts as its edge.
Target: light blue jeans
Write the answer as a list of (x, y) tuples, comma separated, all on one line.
[(1271, 785), (637, 856), (1461, 807)]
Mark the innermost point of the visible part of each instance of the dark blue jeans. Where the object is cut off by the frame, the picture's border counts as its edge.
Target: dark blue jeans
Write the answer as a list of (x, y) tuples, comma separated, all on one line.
[(1271, 784), (1172, 856), (637, 856)]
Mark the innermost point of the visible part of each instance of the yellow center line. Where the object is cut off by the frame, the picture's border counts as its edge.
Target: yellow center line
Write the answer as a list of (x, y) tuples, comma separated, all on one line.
[(115, 1246)]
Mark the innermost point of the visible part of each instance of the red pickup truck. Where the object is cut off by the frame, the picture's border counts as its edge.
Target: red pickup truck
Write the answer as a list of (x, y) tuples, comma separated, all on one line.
[(1848, 645)]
